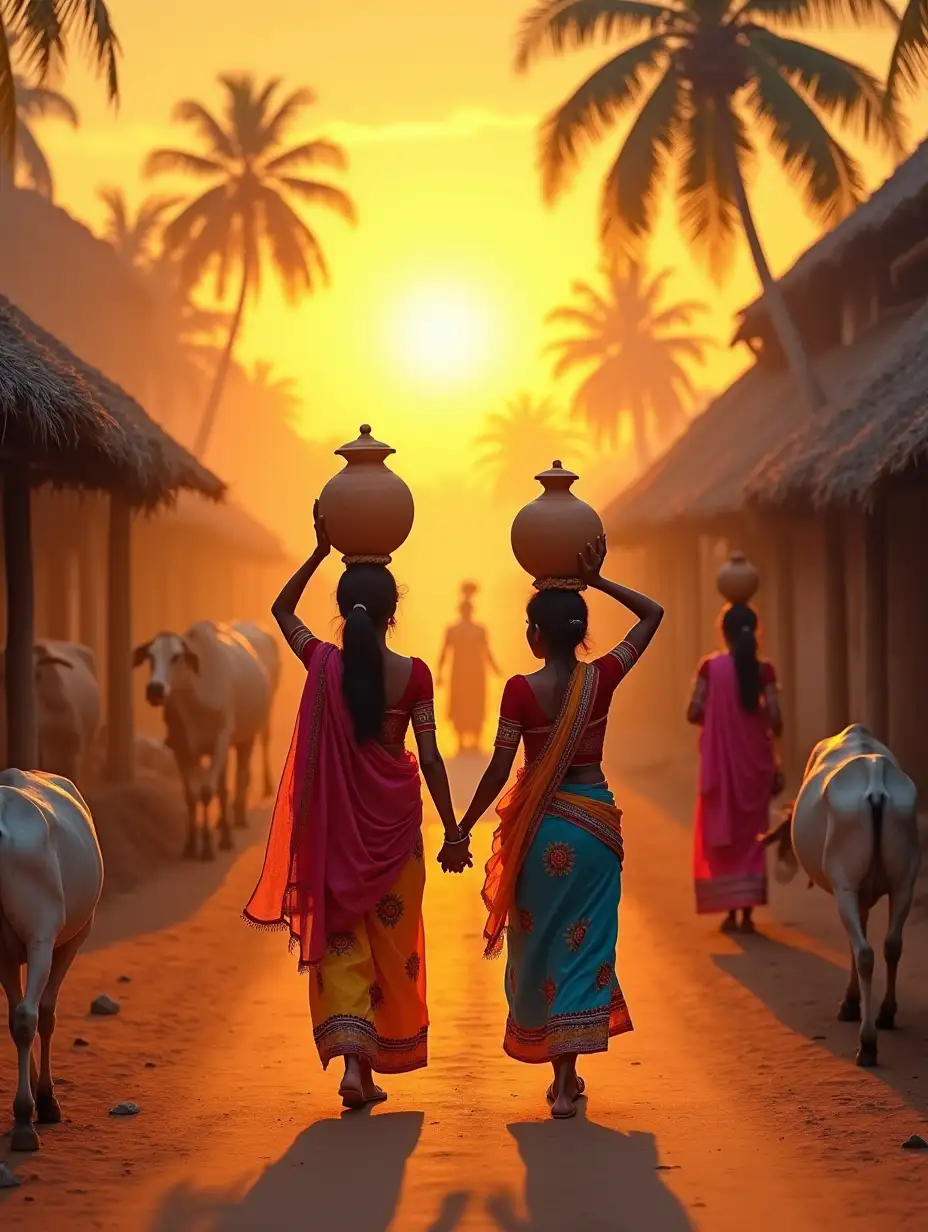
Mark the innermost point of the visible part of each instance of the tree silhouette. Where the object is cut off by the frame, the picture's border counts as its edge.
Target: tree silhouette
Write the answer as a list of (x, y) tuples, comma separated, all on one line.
[(634, 350), (245, 218), (36, 102), (708, 80), (523, 439)]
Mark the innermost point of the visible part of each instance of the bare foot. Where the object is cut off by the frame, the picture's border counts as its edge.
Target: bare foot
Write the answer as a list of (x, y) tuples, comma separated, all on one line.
[(747, 923), (564, 1103), (730, 923), (358, 1087), (579, 1088)]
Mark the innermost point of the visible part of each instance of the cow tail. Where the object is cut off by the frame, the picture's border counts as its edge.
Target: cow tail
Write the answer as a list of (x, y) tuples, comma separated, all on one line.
[(876, 798)]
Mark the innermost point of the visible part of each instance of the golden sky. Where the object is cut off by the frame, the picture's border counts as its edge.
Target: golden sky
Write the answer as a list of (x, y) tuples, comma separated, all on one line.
[(441, 137)]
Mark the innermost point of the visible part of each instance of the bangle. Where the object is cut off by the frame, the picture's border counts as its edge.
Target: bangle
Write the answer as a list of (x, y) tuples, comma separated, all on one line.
[(456, 842)]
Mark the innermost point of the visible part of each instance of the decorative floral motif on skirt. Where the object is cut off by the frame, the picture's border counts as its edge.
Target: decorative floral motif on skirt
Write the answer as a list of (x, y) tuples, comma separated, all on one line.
[(604, 975), (526, 920), (549, 990), (575, 934), (559, 859), (390, 910), (341, 944), (376, 993), (419, 850), (413, 963)]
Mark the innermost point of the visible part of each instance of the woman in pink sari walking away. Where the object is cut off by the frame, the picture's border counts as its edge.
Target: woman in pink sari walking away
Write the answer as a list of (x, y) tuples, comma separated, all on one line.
[(735, 702), (344, 869)]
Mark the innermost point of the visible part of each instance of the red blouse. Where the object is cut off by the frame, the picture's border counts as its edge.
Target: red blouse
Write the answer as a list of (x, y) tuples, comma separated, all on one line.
[(522, 718), (416, 703), (768, 676)]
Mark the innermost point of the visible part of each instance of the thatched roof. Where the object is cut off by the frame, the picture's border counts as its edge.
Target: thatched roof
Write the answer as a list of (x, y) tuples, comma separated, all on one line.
[(156, 466), (882, 431), (905, 190), (50, 414), (707, 474)]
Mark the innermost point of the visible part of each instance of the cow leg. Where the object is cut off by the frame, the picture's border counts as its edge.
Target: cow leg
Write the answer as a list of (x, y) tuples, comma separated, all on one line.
[(849, 1009), (218, 762), (848, 902), (24, 1021), (243, 754), (900, 904), (12, 984), (48, 1111), (222, 824), (190, 799)]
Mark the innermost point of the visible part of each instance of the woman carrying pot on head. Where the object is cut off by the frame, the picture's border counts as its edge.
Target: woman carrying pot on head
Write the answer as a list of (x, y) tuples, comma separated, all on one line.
[(554, 877), (736, 704), (344, 868)]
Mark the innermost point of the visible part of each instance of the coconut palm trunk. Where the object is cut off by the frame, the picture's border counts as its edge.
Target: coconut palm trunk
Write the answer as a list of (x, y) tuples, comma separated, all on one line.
[(796, 356), (207, 423)]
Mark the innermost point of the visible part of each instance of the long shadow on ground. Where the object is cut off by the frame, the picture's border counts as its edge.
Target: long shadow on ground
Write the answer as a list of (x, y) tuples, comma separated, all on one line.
[(780, 975), (586, 1176), (340, 1175)]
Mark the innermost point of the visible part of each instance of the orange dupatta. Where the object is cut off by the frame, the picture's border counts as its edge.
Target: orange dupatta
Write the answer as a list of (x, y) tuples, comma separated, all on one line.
[(523, 806)]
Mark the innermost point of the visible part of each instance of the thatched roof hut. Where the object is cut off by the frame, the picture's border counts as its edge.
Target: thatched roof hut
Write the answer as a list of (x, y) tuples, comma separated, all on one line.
[(706, 475), (840, 460), (888, 222), (155, 465)]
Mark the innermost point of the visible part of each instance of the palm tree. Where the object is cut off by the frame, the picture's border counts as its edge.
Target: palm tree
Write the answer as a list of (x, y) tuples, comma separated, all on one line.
[(277, 395), (245, 215), (43, 29), (637, 350), (134, 236), (527, 433), (910, 55), (30, 165), (703, 83)]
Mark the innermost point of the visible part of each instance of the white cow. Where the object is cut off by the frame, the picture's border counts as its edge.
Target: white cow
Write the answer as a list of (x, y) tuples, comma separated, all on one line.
[(854, 831), (51, 877), (216, 689), (67, 707)]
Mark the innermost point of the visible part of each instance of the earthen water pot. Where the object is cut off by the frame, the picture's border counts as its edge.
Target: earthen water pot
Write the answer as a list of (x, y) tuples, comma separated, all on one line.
[(368, 509), (549, 533), (737, 580)]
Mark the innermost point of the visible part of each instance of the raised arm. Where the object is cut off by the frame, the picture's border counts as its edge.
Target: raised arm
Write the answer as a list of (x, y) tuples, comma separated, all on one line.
[(283, 609), (649, 613)]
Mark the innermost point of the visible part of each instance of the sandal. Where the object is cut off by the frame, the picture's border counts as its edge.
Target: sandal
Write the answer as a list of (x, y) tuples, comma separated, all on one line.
[(581, 1088), (352, 1097)]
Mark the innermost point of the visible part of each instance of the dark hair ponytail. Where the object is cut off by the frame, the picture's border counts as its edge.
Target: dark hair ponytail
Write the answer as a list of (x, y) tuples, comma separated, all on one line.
[(367, 599), (562, 618), (739, 628)]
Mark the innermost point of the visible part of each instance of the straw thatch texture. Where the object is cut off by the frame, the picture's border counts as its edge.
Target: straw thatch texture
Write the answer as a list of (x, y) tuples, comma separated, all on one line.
[(904, 191), (707, 473), (157, 465), (882, 431), (51, 416)]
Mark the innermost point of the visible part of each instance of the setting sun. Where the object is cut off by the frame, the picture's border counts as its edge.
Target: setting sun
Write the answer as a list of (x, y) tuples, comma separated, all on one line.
[(441, 334)]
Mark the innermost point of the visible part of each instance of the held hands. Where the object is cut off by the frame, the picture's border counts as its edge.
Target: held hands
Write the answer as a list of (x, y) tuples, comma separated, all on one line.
[(455, 855), (323, 545), (591, 560)]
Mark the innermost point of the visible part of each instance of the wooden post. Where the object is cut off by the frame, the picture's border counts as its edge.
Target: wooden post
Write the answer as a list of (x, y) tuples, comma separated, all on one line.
[(22, 730), (785, 618), (836, 649), (120, 740), (876, 604)]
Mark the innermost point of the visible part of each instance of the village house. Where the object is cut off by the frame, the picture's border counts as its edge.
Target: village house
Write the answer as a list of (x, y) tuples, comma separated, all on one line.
[(829, 505)]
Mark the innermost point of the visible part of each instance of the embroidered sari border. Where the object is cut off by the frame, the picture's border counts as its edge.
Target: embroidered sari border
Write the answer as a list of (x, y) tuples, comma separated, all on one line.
[(348, 1035)]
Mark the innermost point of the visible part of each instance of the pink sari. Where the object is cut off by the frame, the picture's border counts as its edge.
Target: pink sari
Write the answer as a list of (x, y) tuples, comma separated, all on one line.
[(736, 772), (345, 823)]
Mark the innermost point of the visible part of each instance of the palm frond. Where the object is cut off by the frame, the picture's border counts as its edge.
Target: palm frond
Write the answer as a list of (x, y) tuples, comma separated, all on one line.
[(38, 102), (909, 62), (327, 195), (562, 25), (167, 162), (708, 211), (842, 90), (30, 159), (630, 190), (275, 129), (585, 117), (295, 251), (7, 99), (40, 38), (214, 136), (828, 177), (800, 14), (318, 153), (92, 18), (591, 321)]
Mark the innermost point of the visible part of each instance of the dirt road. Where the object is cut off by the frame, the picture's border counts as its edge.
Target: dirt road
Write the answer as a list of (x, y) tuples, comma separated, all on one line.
[(735, 1103)]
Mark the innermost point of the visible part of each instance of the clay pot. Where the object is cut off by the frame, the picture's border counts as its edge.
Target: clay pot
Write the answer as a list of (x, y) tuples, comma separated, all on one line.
[(368, 509), (737, 580), (549, 533)]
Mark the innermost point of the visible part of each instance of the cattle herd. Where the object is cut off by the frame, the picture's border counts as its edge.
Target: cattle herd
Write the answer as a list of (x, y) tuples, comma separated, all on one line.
[(852, 828)]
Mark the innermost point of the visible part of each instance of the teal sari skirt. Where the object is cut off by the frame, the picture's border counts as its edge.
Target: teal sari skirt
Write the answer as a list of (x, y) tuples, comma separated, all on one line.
[(561, 984)]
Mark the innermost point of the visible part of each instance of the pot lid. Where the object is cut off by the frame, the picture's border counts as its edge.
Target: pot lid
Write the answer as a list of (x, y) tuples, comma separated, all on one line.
[(557, 477), (365, 444)]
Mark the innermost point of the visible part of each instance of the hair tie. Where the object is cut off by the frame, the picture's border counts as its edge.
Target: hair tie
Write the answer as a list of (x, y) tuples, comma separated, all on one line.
[(359, 607), (576, 624)]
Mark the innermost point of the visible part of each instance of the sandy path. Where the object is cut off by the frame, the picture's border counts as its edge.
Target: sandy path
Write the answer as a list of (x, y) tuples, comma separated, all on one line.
[(721, 1112)]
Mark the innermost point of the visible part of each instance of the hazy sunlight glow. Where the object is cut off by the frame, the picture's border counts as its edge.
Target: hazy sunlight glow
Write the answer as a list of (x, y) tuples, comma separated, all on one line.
[(441, 334)]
